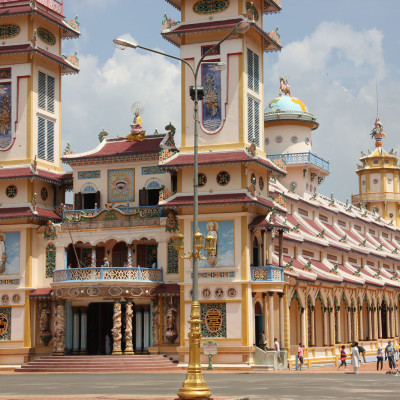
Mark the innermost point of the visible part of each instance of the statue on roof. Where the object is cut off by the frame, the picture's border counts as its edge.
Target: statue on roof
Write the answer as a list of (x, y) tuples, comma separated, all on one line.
[(284, 87), (137, 133), (377, 132)]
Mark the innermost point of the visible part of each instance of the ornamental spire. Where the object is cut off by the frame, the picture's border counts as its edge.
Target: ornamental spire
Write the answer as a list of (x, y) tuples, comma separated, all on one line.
[(377, 132)]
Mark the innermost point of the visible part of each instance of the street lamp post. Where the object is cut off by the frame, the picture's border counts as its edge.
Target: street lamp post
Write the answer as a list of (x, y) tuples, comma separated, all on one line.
[(194, 386)]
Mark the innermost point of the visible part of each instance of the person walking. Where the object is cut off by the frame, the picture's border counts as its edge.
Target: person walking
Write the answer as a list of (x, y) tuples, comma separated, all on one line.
[(355, 357), (300, 354), (389, 352), (277, 348), (263, 341), (362, 353), (379, 358), (343, 356)]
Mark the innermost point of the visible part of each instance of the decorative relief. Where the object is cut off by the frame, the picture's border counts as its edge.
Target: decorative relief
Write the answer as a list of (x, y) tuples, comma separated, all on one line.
[(219, 293), (5, 73), (232, 292), (136, 291), (156, 323), (121, 185), (115, 291), (74, 23), (16, 299), (170, 320), (206, 292), (89, 174), (44, 194), (11, 191), (252, 13), (9, 281), (212, 110), (73, 59), (5, 323), (210, 6), (173, 259), (50, 231), (59, 332), (202, 179), (8, 31), (50, 260), (261, 183), (171, 224), (6, 135), (214, 317), (73, 292), (223, 178), (5, 299), (93, 291), (228, 274), (46, 36), (154, 170)]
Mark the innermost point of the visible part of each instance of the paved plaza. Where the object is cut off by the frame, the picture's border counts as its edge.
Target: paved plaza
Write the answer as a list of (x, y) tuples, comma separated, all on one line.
[(324, 383)]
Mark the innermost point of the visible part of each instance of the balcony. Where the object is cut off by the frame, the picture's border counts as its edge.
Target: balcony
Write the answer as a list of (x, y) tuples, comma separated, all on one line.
[(111, 218), (108, 274), (375, 196), (53, 5), (269, 273), (301, 158)]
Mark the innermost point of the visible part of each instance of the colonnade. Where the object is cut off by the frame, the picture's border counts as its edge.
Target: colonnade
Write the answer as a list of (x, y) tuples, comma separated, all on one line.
[(266, 248)]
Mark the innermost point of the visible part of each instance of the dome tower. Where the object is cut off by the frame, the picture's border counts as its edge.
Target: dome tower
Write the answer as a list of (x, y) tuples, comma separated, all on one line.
[(378, 179), (287, 131)]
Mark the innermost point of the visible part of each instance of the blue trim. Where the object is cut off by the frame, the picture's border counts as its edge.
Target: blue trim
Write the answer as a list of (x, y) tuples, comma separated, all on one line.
[(300, 158), (269, 269)]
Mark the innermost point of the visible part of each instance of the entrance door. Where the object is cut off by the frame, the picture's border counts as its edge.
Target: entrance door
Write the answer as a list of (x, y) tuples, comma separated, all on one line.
[(258, 319), (100, 324)]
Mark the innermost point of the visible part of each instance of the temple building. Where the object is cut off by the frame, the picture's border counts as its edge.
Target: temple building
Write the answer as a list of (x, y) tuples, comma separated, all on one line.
[(102, 276)]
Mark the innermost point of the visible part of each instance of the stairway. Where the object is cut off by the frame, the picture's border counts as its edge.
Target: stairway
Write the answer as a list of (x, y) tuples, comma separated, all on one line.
[(136, 363)]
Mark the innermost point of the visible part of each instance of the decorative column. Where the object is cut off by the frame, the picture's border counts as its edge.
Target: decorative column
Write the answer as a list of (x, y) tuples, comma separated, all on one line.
[(271, 319), (156, 322), (326, 328), (265, 320), (388, 323), (370, 335), (253, 308), (139, 327), (75, 333), (93, 260), (348, 325), (379, 323), (339, 327), (128, 327), (332, 327), (281, 315), (129, 264), (281, 248), (354, 327), (116, 330), (146, 329), (361, 324), (396, 321), (59, 331), (303, 327), (312, 317), (83, 332), (270, 251)]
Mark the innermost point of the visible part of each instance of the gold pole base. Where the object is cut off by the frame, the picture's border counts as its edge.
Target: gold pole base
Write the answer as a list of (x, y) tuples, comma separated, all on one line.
[(194, 387)]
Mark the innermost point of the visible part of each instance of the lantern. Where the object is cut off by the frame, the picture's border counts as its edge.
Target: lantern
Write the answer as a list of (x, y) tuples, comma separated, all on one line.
[(177, 242), (198, 240), (210, 244)]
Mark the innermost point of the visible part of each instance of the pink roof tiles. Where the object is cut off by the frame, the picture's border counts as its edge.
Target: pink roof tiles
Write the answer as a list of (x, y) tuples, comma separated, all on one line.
[(9, 213), (27, 172)]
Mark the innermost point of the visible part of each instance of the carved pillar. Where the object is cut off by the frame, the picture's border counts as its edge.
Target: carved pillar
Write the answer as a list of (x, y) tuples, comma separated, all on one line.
[(116, 330), (326, 327), (388, 323), (270, 251), (348, 325), (281, 319), (271, 319), (129, 263), (281, 248), (339, 327), (59, 332), (156, 322), (93, 261), (379, 323), (312, 317), (303, 327), (355, 320), (370, 335), (361, 324), (265, 320), (128, 327)]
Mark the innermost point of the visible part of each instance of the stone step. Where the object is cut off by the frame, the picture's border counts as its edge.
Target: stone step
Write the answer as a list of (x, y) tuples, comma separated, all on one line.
[(90, 369)]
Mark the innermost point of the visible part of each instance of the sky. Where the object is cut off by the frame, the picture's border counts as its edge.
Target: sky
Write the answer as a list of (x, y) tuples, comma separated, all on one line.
[(335, 55)]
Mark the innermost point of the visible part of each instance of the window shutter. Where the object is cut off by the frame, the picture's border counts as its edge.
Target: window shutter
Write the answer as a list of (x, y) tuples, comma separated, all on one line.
[(250, 69), (250, 126), (41, 138), (42, 90), (142, 197), (50, 93), (50, 140), (78, 201), (256, 132), (253, 121), (97, 199), (256, 79)]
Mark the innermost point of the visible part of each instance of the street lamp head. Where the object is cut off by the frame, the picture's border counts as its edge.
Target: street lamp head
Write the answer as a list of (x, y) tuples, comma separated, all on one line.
[(242, 27), (177, 242), (198, 240), (209, 246), (122, 44)]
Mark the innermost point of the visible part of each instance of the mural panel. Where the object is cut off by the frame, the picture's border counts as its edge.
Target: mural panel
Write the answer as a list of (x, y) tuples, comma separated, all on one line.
[(121, 185), (5, 116), (213, 316), (9, 253), (212, 114), (5, 323), (223, 232)]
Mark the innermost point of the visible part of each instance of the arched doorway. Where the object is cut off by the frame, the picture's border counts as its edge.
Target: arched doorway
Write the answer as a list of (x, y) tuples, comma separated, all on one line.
[(294, 312), (99, 325), (344, 329), (256, 259), (319, 323), (258, 322)]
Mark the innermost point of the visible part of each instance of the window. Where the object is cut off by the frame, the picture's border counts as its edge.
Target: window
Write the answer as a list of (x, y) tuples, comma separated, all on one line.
[(50, 260), (253, 71), (172, 258), (45, 139), (46, 92), (253, 121)]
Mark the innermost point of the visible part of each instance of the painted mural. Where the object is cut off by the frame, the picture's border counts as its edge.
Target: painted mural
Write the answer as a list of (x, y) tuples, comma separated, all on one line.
[(212, 114), (213, 316), (121, 185), (9, 253), (5, 116), (5, 323), (223, 232)]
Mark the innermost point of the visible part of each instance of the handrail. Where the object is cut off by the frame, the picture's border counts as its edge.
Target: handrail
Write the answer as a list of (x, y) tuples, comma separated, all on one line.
[(269, 273), (298, 158)]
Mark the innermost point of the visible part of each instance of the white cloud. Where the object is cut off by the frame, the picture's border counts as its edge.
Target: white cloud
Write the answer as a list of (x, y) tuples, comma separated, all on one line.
[(102, 94), (334, 71)]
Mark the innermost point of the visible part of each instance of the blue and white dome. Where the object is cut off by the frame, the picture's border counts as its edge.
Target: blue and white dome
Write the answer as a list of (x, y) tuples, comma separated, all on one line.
[(286, 104)]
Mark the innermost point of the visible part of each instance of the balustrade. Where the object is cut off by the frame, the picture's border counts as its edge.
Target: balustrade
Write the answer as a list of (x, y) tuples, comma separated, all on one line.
[(269, 273), (300, 158)]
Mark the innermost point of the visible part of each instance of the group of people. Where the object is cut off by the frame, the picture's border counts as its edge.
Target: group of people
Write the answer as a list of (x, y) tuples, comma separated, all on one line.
[(357, 351)]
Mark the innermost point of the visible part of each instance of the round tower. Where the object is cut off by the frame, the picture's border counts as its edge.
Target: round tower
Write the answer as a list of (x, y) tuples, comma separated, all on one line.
[(287, 130), (378, 179)]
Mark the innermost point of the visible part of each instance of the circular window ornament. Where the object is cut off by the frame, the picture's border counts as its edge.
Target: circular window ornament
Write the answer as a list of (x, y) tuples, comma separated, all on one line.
[(232, 292), (279, 139), (206, 293), (219, 293), (202, 179), (375, 181), (11, 191), (294, 139), (267, 141), (44, 194), (261, 183), (8, 31), (46, 36), (307, 140), (223, 178)]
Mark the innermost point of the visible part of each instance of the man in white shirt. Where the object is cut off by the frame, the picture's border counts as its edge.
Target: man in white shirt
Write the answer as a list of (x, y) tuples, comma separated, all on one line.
[(277, 348)]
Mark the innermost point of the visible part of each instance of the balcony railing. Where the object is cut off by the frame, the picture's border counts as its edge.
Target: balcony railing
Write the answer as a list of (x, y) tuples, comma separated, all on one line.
[(375, 196), (53, 5), (269, 273), (108, 274), (123, 216), (301, 158)]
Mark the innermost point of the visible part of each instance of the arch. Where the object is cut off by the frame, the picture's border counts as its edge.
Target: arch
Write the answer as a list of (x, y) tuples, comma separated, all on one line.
[(153, 184), (89, 188), (294, 317), (258, 321), (295, 295), (344, 328), (119, 255), (384, 318), (319, 297)]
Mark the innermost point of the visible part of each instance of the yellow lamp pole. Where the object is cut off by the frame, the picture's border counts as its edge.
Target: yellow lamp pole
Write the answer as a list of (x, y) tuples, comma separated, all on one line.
[(194, 386)]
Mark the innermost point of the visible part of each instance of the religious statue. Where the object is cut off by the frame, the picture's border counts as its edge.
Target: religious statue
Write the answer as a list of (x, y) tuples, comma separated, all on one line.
[(170, 333), (136, 126), (59, 332), (3, 257), (378, 128), (44, 324), (284, 87), (212, 228)]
